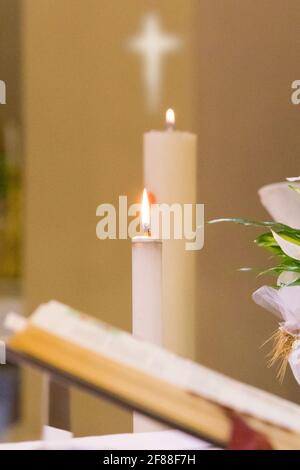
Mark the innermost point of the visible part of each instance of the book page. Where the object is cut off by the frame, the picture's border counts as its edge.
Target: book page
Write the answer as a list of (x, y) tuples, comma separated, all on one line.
[(106, 340)]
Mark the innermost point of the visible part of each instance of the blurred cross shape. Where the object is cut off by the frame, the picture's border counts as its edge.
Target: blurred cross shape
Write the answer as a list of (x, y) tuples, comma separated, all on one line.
[(152, 44), (2, 353)]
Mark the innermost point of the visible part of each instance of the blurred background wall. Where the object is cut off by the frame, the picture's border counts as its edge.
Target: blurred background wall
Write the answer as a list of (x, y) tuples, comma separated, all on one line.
[(10, 64), (84, 115), (11, 167)]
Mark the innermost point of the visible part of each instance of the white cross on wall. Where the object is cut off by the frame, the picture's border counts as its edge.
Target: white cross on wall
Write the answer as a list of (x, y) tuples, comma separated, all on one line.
[(153, 44)]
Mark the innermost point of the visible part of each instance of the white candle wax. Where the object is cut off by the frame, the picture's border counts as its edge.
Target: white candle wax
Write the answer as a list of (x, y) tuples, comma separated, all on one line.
[(170, 165), (146, 303), (147, 288), (170, 173)]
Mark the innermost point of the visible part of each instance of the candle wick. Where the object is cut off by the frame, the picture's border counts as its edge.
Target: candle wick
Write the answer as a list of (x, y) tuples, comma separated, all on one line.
[(170, 126), (147, 230)]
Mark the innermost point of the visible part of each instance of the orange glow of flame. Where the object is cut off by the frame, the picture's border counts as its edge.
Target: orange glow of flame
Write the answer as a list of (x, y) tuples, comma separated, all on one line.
[(170, 117), (145, 213)]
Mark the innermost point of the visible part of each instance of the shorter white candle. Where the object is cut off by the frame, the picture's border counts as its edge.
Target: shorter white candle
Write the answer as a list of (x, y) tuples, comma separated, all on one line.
[(146, 289), (147, 281), (146, 295)]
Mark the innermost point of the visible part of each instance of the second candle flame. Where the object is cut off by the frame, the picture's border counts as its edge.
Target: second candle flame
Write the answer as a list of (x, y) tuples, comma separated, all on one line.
[(170, 119), (145, 212)]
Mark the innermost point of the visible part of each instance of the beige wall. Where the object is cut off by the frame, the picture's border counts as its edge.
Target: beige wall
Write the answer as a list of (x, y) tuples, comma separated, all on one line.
[(84, 116), (10, 58)]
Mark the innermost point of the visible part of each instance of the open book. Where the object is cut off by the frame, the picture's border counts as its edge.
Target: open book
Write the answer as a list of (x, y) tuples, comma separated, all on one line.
[(109, 362)]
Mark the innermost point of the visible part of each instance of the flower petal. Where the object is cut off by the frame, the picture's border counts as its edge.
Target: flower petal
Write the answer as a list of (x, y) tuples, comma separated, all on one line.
[(286, 278), (291, 179), (268, 298), (289, 248)]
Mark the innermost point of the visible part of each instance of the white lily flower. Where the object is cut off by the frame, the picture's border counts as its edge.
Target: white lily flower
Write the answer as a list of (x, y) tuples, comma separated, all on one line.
[(282, 203), (285, 304), (286, 278), (292, 179), (291, 249), (295, 354)]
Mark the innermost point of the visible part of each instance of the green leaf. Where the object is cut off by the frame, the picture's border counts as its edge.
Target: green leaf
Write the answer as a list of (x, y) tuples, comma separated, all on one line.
[(287, 264), (266, 239), (287, 261), (295, 188), (295, 283), (275, 250), (290, 237), (276, 226)]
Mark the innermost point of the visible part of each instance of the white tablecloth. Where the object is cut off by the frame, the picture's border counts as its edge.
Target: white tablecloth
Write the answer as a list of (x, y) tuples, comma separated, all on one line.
[(165, 440)]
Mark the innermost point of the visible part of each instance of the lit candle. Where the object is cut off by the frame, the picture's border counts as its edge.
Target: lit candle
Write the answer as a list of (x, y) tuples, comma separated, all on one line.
[(170, 174), (146, 295), (147, 281), (170, 119)]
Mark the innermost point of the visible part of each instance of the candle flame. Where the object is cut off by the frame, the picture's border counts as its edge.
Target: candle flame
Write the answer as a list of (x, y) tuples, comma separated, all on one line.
[(170, 118), (145, 215)]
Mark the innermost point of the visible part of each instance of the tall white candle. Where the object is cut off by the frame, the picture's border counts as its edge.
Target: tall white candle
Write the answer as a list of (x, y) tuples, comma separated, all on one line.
[(170, 173), (146, 296)]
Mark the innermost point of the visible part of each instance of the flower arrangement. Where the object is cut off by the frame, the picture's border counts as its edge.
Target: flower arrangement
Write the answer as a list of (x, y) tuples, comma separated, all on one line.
[(282, 298)]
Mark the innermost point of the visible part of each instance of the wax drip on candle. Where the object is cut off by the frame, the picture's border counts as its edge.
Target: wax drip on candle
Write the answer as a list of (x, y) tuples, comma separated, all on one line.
[(170, 119), (145, 215)]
